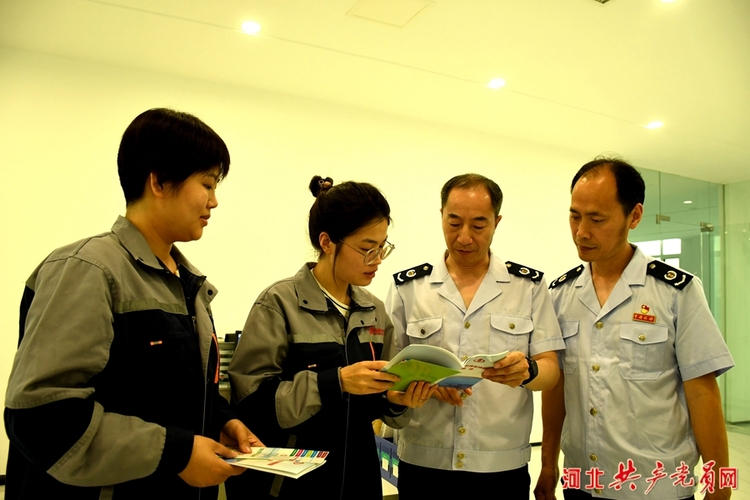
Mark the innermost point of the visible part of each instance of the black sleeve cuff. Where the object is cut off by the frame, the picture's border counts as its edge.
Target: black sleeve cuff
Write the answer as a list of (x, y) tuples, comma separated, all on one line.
[(178, 447), (329, 386), (392, 409)]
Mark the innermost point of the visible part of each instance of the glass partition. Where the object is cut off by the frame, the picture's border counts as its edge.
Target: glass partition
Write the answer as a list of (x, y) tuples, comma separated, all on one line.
[(737, 206)]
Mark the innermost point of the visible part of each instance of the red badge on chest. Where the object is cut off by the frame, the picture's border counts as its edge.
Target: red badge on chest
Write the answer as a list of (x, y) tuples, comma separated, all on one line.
[(644, 315)]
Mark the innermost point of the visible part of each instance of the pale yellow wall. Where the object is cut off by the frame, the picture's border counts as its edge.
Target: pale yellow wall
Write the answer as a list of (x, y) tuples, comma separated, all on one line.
[(60, 125)]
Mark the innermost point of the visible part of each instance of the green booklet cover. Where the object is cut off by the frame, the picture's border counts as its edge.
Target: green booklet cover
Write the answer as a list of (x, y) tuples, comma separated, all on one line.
[(438, 366), (412, 369)]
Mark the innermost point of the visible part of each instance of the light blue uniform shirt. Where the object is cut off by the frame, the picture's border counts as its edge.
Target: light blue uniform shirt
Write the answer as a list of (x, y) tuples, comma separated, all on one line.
[(490, 432), (624, 366)]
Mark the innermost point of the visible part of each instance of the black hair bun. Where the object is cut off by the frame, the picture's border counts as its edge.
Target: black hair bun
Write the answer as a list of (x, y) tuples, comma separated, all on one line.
[(319, 185)]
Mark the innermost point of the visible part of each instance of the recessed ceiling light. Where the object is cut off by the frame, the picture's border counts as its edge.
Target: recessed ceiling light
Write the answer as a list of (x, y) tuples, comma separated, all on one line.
[(687, 202), (251, 27), (654, 125), (496, 83)]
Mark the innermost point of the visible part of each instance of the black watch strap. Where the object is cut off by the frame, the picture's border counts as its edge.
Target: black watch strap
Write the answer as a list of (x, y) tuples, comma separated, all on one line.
[(533, 370)]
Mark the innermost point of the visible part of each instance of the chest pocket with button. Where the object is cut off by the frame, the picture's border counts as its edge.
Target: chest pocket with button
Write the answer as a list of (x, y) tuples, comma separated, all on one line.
[(571, 338), (426, 331), (642, 350), (510, 333)]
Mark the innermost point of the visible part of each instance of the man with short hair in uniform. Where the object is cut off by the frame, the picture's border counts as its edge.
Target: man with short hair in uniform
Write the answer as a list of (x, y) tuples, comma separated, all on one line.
[(637, 400), (471, 302)]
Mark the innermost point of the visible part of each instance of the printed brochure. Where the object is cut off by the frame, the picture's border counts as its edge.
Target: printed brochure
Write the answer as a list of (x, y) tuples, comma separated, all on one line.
[(438, 366), (288, 462)]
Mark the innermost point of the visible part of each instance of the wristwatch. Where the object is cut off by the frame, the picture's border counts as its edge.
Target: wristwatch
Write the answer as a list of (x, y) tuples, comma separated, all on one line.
[(533, 370)]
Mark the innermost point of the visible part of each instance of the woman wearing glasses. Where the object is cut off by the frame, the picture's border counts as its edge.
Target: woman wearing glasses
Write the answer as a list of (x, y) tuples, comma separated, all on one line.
[(306, 372)]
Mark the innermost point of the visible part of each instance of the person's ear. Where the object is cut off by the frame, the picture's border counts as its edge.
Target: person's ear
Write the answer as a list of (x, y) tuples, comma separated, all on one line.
[(497, 220), (328, 246), (636, 216), (156, 188)]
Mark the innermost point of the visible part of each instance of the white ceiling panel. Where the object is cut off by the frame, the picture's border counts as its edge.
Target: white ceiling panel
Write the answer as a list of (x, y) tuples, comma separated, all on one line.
[(579, 74)]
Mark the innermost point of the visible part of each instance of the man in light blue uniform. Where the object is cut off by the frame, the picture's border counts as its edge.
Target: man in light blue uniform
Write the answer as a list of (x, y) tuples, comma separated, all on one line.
[(471, 302), (638, 391)]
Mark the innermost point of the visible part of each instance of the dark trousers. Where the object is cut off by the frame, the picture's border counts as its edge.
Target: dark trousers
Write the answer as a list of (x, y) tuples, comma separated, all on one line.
[(419, 483), (575, 494)]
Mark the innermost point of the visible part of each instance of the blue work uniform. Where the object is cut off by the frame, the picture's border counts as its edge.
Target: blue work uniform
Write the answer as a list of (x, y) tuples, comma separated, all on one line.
[(511, 311), (625, 363)]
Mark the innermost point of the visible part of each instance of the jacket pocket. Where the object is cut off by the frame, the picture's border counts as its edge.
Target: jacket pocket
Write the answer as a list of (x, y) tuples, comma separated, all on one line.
[(314, 357), (642, 350), (510, 333), (571, 338), (426, 331)]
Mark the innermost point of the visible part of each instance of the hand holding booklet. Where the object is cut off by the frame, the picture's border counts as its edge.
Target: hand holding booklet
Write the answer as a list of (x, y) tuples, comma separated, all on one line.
[(288, 462), (438, 366)]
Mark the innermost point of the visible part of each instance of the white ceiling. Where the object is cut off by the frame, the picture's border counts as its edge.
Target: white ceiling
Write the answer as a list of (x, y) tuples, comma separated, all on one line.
[(580, 75)]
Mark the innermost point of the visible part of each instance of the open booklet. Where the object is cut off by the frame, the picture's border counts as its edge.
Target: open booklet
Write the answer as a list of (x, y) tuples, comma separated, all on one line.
[(289, 462), (438, 366)]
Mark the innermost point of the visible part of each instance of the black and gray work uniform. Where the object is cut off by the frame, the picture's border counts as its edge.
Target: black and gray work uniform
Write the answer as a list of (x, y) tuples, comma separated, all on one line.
[(116, 371), (285, 381)]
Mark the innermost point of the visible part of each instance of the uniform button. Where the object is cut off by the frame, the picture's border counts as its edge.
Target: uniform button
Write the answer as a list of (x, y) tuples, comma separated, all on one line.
[(641, 337), (462, 430), (599, 325), (593, 457), (467, 325), (595, 367), (421, 331), (304, 302), (512, 326), (459, 464), (464, 395), (210, 292), (598, 491), (460, 456), (593, 411), (464, 358)]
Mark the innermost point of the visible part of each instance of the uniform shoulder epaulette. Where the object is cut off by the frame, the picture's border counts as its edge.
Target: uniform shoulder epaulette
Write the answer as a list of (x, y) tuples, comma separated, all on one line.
[(412, 274), (573, 273), (668, 274), (524, 272)]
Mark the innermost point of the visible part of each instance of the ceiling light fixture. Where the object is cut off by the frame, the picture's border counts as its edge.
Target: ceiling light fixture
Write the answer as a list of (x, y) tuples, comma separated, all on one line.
[(654, 125), (251, 27), (688, 202), (496, 83)]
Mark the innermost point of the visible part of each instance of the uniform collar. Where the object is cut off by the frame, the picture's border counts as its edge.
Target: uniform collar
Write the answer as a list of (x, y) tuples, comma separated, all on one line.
[(497, 269), (135, 243), (633, 274), (635, 271), (310, 296)]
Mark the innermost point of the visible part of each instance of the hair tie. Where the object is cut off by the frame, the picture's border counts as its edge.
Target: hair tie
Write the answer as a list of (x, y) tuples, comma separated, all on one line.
[(324, 185)]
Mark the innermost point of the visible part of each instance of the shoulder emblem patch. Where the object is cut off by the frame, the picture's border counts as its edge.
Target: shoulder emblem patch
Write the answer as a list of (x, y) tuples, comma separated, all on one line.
[(573, 273), (668, 274), (412, 274), (524, 272)]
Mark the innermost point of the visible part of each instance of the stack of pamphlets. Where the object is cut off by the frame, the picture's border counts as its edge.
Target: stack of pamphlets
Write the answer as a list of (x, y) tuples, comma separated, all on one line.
[(289, 462)]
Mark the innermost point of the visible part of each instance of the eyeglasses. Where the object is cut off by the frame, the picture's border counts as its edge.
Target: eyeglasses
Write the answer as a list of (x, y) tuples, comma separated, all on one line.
[(374, 254)]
